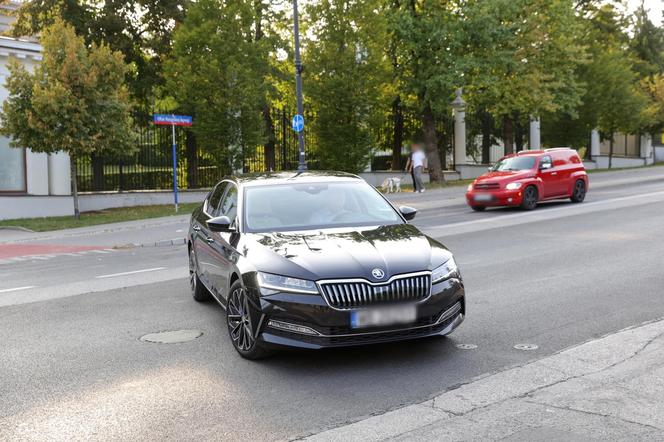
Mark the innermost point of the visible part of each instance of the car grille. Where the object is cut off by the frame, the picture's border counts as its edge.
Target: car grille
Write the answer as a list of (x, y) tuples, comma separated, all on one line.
[(352, 294), (486, 186)]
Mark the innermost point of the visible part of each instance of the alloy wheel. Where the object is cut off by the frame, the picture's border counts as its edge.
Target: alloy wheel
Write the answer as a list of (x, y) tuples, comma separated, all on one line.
[(530, 198), (239, 320), (579, 190), (192, 271)]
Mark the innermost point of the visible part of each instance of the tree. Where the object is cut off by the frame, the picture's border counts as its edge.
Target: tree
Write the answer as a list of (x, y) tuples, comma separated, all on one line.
[(140, 29), (75, 101), (219, 73), (430, 48), (647, 44), (346, 69), (539, 51)]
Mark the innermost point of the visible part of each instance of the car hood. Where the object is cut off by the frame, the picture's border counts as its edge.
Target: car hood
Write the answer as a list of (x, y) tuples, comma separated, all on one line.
[(346, 253), (507, 175)]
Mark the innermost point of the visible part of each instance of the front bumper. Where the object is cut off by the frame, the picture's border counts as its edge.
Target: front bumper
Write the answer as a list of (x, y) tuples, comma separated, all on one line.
[(439, 314), (489, 198)]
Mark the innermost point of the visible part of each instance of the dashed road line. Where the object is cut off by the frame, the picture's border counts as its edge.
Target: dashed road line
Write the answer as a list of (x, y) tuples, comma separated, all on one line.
[(16, 289), (112, 275)]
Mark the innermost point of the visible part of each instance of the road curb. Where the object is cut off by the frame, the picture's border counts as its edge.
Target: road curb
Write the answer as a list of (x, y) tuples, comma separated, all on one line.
[(516, 383)]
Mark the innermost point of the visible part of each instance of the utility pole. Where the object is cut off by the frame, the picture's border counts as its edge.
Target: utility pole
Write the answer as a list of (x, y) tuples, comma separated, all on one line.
[(302, 166)]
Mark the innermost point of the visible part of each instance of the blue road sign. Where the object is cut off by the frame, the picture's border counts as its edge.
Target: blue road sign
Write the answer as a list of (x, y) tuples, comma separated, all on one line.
[(298, 123), (175, 120)]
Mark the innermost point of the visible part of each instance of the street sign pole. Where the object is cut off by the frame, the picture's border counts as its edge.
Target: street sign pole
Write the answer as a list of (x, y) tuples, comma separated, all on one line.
[(173, 120), (175, 169), (298, 85)]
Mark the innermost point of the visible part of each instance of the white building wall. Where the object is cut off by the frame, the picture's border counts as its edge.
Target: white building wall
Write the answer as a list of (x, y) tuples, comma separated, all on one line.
[(59, 174), (37, 171)]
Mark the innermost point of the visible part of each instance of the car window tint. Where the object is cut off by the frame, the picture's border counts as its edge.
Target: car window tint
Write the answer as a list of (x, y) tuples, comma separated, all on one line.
[(215, 197), (306, 206), (228, 205)]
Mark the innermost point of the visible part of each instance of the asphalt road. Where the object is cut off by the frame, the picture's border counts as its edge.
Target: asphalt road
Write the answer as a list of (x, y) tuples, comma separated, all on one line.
[(73, 367)]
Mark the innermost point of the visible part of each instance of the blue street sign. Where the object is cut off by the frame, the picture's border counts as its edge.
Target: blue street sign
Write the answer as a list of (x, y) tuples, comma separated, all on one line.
[(298, 123), (175, 120)]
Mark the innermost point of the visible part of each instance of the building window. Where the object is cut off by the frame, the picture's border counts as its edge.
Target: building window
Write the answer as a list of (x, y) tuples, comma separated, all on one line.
[(12, 168)]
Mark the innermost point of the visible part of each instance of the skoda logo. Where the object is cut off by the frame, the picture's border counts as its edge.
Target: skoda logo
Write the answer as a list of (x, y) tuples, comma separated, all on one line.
[(378, 273)]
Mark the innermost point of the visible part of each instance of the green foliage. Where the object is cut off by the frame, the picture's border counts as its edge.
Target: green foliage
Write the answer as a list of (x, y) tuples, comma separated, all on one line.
[(140, 29), (218, 74), (346, 70), (75, 101)]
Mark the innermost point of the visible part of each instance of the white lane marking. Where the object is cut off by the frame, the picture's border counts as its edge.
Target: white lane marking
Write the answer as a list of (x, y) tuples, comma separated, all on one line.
[(15, 289), (101, 251), (130, 273), (532, 214)]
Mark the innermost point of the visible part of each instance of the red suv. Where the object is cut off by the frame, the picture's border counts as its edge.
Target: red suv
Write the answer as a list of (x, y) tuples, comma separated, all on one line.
[(530, 176)]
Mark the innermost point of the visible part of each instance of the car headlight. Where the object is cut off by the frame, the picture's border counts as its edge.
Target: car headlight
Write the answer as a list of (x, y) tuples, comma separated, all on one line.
[(286, 283), (513, 186), (470, 187), (445, 271)]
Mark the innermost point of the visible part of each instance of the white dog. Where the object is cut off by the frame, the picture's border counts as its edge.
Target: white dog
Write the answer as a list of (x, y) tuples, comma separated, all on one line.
[(391, 185)]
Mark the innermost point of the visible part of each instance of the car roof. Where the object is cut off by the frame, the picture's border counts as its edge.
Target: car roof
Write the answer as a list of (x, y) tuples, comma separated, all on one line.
[(289, 177)]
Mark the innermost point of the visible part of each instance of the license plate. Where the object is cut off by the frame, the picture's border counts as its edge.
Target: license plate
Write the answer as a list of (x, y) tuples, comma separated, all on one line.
[(483, 197), (383, 316)]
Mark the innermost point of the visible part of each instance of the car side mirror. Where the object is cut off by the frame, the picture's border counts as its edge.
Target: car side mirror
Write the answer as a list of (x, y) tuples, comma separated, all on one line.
[(408, 212), (545, 166), (220, 224)]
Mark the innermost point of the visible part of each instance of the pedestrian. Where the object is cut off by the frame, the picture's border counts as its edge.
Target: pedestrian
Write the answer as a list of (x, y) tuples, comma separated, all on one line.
[(418, 163), (409, 166)]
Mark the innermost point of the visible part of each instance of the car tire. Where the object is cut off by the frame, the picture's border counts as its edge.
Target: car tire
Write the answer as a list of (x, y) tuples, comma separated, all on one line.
[(530, 197), (578, 192), (241, 326), (478, 208), (198, 291)]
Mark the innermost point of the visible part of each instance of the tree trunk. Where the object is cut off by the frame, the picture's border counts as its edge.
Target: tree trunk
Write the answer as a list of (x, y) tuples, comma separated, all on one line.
[(431, 144), (268, 152), (486, 137), (508, 134), (74, 186), (518, 137), (397, 140), (192, 160), (611, 150)]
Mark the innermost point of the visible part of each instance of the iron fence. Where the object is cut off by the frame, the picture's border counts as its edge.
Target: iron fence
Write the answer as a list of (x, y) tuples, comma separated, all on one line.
[(150, 165)]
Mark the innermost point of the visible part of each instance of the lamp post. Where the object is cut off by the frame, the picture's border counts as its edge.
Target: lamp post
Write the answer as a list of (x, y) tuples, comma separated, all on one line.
[(302, 165), (459, 106)]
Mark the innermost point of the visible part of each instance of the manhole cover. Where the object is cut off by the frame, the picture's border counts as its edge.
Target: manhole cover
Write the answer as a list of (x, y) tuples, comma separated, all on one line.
[(526, 347), (466, 346), (172, 337)]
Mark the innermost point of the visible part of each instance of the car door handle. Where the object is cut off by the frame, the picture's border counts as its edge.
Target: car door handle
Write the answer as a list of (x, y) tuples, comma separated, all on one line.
[(554, 173), (209, 240), (197, 228)]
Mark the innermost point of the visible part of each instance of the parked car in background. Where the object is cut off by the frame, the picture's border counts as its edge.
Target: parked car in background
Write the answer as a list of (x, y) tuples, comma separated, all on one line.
[(319, 259), (528, 177)]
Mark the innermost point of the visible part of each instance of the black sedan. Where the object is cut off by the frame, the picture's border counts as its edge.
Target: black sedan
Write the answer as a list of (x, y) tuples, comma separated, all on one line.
[(316, 260)]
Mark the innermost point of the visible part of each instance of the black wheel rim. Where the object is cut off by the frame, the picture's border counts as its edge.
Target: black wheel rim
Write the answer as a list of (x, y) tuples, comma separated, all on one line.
[(239, 321), (578, 190), (192, 271), (531, 197)]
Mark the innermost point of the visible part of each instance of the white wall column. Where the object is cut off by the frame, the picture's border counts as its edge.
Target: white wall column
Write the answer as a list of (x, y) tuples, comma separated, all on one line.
[(646, 148), (594, 144), (59, 174), (459, 107), (36, 165), (534, 140)]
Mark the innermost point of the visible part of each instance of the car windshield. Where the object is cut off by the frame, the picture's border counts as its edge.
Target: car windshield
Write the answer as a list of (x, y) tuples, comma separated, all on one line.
[(309, 206), (514, 163)]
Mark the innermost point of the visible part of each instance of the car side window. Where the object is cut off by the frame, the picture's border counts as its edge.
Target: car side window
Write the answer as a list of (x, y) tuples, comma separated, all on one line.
[(215, 198), (228, 206), (545, 160)]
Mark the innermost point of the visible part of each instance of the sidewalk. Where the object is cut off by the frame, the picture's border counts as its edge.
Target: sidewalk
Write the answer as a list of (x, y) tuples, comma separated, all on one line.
[(610, 388)]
